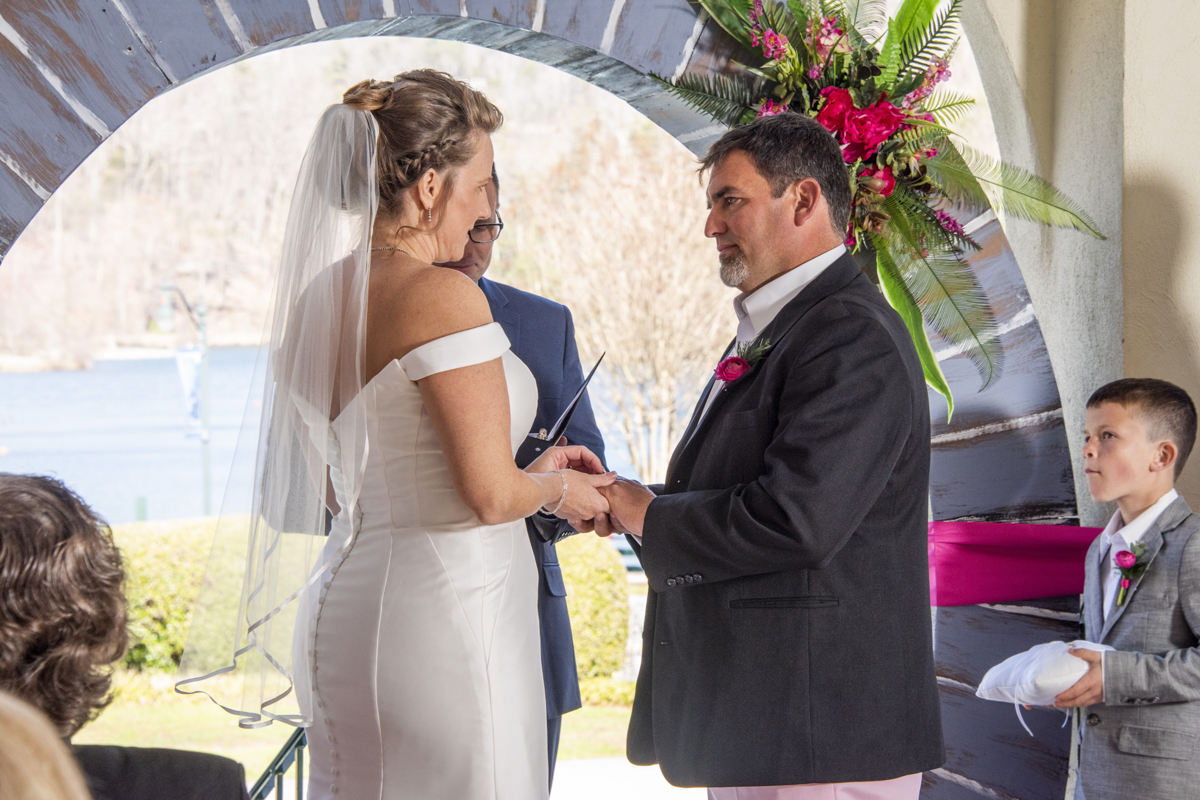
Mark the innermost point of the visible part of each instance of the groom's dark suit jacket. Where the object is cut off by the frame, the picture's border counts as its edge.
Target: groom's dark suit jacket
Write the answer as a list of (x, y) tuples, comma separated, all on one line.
[(788, 635), (542, 335)]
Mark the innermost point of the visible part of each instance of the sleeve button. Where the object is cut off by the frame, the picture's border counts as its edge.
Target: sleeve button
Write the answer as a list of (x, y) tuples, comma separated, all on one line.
[(1093, 720), (671, 581)]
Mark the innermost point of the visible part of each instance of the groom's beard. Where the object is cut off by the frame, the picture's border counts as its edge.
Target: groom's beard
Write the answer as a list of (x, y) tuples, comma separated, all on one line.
[(734, 269)]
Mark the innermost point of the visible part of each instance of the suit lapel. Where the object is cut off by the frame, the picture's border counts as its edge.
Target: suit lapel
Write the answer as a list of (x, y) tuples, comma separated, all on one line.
[(509, 320), (836, 276), (1093, 595), (1168, 521)]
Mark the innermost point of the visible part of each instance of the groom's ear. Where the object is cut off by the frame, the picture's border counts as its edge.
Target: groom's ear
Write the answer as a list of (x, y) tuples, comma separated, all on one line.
[(805, 198)]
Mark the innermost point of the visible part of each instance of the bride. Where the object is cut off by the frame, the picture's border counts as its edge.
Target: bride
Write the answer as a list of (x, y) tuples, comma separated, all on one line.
[(409, 644)]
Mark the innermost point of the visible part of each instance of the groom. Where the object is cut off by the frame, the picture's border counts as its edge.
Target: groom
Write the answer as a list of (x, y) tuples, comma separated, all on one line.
[(788, 647)]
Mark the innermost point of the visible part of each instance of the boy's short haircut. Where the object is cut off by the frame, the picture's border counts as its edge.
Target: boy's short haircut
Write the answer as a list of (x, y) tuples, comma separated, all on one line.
[(1168, 410)]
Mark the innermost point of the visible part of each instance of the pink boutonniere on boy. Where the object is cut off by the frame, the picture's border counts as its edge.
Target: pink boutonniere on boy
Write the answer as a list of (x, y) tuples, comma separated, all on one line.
[(748, 354), (1131, 567)]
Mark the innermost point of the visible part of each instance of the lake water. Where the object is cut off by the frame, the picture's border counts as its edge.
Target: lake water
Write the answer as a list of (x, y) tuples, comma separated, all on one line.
[(118, 434)]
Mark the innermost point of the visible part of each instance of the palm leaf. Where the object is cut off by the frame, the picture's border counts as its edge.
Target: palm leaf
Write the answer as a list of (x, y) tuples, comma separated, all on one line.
[(733, 16), (725, 98), (869, 17), (944, 288), (912, 17), (929, 45), (970, 176), (947, 107), (901, 299)]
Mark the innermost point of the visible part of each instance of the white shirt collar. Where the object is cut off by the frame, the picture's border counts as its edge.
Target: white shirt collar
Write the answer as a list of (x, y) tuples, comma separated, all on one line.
[(1120, 535), (756, 310)]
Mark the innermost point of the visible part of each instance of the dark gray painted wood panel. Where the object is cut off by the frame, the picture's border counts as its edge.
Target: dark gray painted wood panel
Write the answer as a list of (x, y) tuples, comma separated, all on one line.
[(652, 37), (267, 22), (340, 12), (936, 787), (579, 21), (970, 640), (38, 130), (18, 205), (1010, 476), (518, 13), (95, 54), (986, 743)]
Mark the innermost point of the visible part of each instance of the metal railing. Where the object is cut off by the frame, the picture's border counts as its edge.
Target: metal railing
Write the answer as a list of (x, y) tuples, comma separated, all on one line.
[(271, 782)]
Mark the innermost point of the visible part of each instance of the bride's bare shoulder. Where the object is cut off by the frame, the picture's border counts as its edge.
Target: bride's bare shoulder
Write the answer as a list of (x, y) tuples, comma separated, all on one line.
[(422, 303)]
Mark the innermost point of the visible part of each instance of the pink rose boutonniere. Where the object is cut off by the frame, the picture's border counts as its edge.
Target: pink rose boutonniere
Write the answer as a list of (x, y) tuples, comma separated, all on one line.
[(748, 354), (1131, 567)]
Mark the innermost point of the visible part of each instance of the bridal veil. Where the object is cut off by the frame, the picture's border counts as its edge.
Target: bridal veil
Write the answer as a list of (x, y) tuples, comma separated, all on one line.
[(247, 646)]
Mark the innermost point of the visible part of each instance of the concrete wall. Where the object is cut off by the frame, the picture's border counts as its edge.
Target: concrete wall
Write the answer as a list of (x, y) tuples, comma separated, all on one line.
[(1053, 72), (1162, 200)]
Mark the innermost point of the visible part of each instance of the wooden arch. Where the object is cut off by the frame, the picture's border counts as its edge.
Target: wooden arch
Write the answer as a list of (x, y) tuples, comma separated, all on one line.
[(71, 73)]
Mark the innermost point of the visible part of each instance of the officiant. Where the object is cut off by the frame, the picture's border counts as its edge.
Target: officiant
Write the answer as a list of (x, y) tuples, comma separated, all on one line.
[(542, 334)]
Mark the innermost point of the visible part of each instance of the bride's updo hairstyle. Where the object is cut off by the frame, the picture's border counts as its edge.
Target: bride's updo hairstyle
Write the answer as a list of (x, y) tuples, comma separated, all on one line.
[(427, 120)]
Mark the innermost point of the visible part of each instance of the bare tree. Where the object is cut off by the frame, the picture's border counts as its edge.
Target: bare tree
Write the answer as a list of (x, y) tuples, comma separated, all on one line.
[(616, 232)]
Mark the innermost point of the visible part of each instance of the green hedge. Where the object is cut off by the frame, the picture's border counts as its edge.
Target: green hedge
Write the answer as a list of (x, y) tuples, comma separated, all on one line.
[(598, 601), (165, 562)]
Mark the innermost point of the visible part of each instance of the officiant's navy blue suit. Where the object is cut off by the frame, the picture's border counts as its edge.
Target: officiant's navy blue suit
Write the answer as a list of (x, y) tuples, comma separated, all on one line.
[(542, 335)]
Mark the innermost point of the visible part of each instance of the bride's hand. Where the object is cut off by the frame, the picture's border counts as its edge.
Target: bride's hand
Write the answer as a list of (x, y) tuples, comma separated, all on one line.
[(576, 457), (582, 499)]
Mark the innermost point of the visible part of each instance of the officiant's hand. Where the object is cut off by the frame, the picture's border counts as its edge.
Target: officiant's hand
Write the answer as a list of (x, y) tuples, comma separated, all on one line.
[(1088, 690)]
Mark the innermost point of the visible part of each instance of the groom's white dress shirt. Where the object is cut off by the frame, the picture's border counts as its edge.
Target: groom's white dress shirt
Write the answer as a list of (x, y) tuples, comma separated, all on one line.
[(755, 311)]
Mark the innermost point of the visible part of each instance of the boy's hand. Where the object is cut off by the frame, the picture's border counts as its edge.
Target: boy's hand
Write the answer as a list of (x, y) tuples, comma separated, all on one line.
[(1088, 690)]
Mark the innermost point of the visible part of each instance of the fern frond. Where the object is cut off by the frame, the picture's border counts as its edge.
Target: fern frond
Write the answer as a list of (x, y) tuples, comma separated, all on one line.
[(947, 107), (733, 16), (901, 299), (970, 176), (926, 47), (869, 17), (724, 98), (945, 289)]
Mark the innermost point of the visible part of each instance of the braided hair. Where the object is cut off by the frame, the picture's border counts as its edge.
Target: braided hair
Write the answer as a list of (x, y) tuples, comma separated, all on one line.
[(427, 120)]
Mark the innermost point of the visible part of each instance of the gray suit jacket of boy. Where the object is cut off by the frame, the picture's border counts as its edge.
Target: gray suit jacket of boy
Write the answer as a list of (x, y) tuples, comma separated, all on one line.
[(1144, 740)]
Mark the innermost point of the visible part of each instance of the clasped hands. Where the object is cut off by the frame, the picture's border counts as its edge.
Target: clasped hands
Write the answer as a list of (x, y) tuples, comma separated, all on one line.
[(595, 500)]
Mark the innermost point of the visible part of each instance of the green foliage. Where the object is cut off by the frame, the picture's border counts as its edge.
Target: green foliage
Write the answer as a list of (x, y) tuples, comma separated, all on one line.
[(913, 17), (598, 601), (942, 284), (725, 99), (947, 107), (967, 176), (164, 565), (926, 46), (606, 692), (901, 299), (869, 17), (732, 15)]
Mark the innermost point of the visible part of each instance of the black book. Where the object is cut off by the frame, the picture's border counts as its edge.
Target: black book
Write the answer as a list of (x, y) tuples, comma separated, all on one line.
[(536, 443)]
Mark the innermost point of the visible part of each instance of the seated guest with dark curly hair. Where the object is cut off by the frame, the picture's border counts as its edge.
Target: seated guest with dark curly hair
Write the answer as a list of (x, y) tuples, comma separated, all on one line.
[(63, 622), (62, 608)]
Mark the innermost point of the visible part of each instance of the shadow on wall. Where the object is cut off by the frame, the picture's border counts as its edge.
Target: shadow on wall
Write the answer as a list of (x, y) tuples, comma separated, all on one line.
[(1158, 336)]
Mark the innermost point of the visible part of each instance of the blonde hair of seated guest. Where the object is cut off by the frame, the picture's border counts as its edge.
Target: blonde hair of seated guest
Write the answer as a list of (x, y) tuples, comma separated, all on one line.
[(34, 763)]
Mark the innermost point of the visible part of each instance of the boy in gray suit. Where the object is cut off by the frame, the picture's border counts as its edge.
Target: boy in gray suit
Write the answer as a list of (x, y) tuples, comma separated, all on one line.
[(1141, 701)]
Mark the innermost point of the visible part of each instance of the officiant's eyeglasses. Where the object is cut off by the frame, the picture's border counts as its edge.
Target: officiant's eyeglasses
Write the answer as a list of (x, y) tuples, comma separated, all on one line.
[(485, 232)]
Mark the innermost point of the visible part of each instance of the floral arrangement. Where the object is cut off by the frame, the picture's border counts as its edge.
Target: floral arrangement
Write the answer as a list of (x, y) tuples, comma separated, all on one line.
[(872, 82)]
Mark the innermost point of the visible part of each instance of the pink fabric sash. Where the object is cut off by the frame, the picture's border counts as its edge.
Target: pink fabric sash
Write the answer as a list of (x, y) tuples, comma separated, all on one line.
[(997, 562)]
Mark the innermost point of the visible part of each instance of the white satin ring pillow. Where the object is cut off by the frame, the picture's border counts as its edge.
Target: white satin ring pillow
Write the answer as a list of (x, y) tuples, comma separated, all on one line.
[(1036, 676)]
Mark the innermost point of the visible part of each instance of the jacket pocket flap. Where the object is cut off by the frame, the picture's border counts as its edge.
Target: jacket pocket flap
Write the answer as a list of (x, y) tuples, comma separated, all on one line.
[(1156, 742), (809, 601), (554, 580)]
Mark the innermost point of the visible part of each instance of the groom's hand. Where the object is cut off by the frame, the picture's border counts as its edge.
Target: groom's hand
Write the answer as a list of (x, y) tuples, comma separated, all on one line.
[(628, 501)]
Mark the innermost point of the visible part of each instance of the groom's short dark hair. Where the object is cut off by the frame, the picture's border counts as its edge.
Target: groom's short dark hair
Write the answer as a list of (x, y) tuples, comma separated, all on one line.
[(790, 147)]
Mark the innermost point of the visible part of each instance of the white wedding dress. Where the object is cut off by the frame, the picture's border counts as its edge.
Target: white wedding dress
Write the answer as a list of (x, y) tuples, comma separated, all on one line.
[(427, 675)]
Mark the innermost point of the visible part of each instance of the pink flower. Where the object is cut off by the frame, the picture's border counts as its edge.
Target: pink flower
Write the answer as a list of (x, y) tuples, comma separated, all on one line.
[(882, 181), (951, 225), (838, 104), (771, 108), (1125, 583), (774, 45), (732, 368), (865, 129), (851, 241), (1125, 559), (828, 37), (814, 72), (756, 12)]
